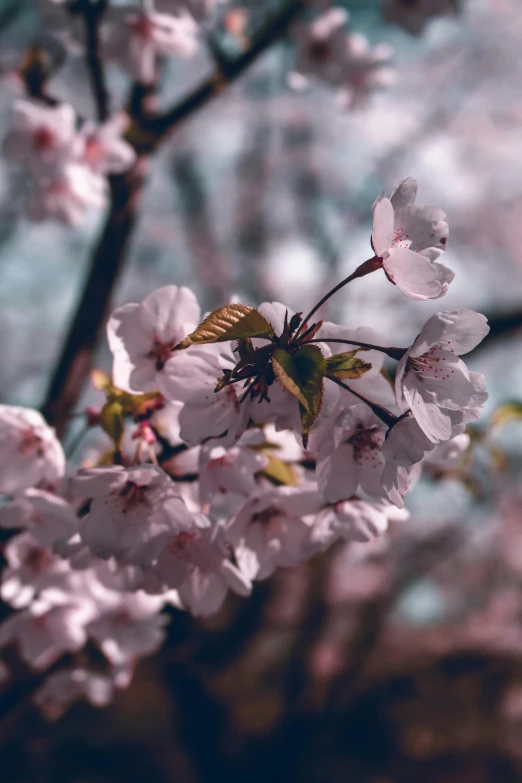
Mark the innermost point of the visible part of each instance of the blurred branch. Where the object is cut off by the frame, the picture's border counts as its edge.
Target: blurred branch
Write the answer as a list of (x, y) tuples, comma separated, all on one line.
[(75, 362), (228, 72), (92, 14)]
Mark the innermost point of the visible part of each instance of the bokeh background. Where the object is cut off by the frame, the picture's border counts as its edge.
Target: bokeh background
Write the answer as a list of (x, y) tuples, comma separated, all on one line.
[(385, 665)]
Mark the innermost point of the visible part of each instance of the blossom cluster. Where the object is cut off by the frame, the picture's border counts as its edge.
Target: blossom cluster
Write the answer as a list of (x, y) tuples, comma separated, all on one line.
[(69, 159), (262, 438), (67, 165)]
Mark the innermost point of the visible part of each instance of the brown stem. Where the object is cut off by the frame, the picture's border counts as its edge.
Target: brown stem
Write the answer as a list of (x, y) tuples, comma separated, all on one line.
[(366, 268), (380, 411), (75, 361), (393, 353)]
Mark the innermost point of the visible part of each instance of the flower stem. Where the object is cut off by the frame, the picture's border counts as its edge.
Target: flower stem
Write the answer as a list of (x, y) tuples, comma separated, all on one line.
[(380, 411), (369, 266), (393, 353)]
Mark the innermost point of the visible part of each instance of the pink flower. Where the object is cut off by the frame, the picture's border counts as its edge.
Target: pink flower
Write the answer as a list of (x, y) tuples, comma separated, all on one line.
[(228, 470), (328, 51), (409, 237), (65, 193), (30, 569), (272, 530), (434, 382), (208, 579), (42, 137), (191, 377), (103, 149), (45, 632), (130, 507), (404, 449), (321, 48), (353, 520), (351, 457), (447, 454), (131, 629), (196, 563), (135, 40), (65, 686), (141, 337), (47, 516), (30, 453)]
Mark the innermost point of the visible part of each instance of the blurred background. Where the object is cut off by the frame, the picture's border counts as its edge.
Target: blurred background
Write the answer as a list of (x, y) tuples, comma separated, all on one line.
[(383, 664)]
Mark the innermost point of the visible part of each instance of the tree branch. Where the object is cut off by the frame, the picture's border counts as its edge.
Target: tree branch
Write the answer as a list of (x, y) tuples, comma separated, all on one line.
[(92, 15), (75, 362)]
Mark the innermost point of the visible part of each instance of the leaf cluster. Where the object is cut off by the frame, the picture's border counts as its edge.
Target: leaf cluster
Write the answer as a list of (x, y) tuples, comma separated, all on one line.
[(290, 358)]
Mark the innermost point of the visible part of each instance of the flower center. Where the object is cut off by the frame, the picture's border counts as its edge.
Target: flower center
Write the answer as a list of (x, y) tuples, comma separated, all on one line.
[(142, 27), (160, 353), (31, 443), (319, 50), (37, 560), (43, 139), (183, 542), (401, 239), (366, 443), (133, 495)]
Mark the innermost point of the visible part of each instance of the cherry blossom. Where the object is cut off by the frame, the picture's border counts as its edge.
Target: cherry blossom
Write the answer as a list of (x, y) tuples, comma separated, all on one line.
[(42, 136), (30, 453), (272, 530), (45, 632), (404, 448), (327, 51), (65, 686), (30, 569), (131, 629), (431, 380), (197, 565), (353, 520), (135, 38), (228, 470), (129, 508), (47, 516), (141, 337), (352, 457), (65, 193), (321, 48), (446, 455), (191, 377), (408, 238), (103, 149)]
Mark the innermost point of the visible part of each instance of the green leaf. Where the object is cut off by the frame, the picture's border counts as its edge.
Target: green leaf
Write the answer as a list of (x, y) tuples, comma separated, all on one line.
[(232, 322), (346, 365), (279, 473), (112, 420), (302, 374)]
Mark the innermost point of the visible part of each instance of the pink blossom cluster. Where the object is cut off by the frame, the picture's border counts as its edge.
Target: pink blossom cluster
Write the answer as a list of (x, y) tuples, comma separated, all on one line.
[(231, 478), (328, 51), (67, 164)]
